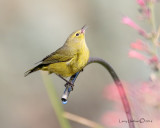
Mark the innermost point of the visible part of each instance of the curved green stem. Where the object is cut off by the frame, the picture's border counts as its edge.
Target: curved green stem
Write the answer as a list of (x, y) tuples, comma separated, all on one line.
[(54, 101), (117, 83), (119, 87)]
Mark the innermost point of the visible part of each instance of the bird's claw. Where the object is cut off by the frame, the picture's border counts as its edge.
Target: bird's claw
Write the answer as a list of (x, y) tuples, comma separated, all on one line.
[(69, 84)]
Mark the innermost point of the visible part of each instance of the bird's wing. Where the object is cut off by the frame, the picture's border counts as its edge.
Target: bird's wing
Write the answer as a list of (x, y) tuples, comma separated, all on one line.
[(63, 54)]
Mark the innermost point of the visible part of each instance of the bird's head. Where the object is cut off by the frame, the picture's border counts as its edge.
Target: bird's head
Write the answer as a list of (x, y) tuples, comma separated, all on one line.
[(77, 36)]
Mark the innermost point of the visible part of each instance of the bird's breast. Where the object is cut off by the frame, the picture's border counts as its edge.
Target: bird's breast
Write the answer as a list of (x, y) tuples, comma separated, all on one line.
[(80, 59)]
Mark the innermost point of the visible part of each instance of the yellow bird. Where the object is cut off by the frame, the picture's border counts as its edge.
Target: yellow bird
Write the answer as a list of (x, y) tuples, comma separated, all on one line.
[(67, 60)]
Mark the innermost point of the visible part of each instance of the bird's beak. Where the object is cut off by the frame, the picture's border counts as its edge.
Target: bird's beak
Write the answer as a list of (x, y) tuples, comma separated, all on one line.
[(83, 29)]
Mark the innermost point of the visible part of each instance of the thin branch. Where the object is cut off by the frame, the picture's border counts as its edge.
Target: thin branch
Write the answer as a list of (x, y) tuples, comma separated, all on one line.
[(117, 83), (155, 41), (152, 19), (81, 120)]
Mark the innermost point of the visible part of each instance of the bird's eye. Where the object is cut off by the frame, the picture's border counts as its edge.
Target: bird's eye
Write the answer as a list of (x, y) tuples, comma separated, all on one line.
[(77, 34)]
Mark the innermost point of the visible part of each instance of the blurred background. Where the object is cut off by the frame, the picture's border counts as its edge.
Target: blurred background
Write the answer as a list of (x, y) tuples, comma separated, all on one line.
[(32, 29)]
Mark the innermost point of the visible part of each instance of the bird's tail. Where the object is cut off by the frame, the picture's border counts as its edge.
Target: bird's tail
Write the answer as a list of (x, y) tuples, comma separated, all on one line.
[(33, 70)]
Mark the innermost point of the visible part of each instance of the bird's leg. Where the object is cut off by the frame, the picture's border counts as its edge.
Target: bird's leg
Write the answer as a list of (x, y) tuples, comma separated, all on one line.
[(68, 82), (72, 79)]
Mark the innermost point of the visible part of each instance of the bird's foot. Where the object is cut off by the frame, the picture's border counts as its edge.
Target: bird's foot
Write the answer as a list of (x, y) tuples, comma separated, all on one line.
[(70, 85), (67, 82)]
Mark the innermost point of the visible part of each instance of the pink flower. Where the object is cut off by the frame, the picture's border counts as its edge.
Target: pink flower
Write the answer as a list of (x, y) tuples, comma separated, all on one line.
[(111, 92), (139, 45), (145, 87), (153, 59), (137, 55), (150, 93), (147, 13), (126, 20), (108, 93), (141, 2)]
